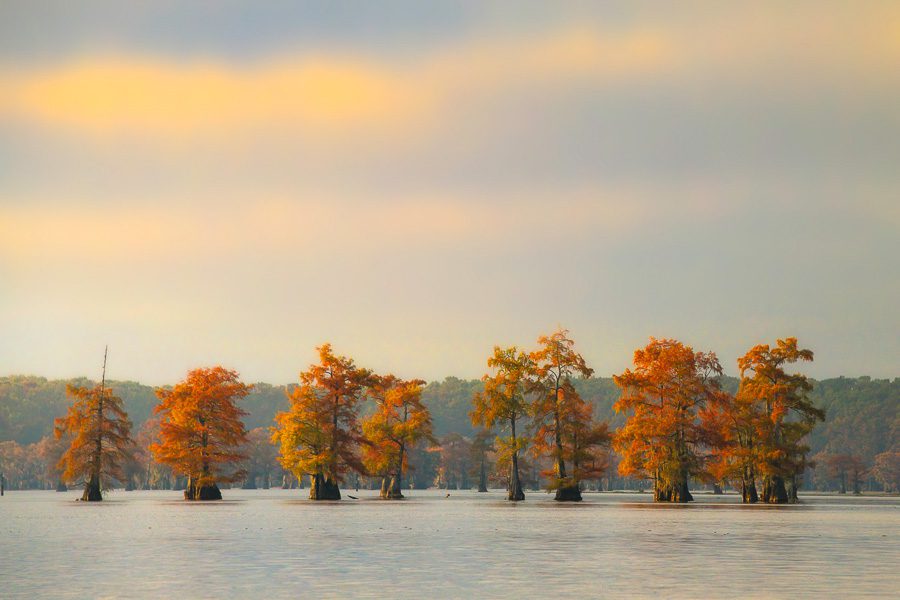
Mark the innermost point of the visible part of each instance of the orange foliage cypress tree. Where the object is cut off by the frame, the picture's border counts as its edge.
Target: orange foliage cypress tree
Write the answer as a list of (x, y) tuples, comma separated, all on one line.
[(557, 408), (400, 421), (772, 395), (503, 403), (320, 434), (100, 439), (201, 432), (667, 433)]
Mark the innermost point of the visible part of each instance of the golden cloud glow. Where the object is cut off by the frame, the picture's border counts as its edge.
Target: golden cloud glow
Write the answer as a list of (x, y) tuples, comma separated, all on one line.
[(107, 95)]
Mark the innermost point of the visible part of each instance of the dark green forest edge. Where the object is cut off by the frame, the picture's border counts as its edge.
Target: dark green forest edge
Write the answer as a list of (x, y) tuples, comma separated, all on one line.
[(862, 423)]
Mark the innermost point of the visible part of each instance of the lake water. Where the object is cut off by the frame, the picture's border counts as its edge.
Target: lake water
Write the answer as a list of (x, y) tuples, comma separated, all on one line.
[(276, 544)]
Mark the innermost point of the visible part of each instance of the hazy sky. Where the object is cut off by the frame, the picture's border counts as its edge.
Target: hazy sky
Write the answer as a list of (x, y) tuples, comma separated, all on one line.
[(237, 182)]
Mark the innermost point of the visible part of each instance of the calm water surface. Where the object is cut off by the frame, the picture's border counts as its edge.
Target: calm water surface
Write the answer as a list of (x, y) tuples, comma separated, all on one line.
[(275, 544)]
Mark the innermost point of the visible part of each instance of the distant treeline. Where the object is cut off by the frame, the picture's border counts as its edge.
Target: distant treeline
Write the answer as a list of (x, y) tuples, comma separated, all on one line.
[(862, 415)]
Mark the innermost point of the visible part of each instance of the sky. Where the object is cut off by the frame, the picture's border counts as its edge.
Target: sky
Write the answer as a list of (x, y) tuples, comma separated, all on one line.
[(235, 183)]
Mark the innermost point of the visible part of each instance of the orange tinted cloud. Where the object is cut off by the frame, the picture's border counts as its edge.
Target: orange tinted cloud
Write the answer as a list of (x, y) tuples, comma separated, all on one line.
[(319, 94), (32, 235), (107, 94)]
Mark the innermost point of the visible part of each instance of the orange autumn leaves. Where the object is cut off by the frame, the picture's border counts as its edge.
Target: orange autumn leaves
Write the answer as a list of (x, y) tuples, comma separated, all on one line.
[(668, 393), (200, 433), (100, 434), (321, 434), (683, 426), (201, 430), (399, 422), (536, 388)]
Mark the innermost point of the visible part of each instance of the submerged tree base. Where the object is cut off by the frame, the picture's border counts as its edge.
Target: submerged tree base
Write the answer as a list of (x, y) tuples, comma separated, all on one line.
[(514, 491), (566, 494), (203, 492), (323, 489), (392, 490), (516, 494), (749, 495), (92, 491), (677, 494), (774, 491)]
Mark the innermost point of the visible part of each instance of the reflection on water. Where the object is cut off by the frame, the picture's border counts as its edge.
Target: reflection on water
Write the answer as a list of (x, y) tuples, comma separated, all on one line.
[(274, 544)]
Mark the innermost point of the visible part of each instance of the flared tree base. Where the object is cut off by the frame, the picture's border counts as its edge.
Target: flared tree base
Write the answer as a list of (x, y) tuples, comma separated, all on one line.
[(748, 493), (515, 493), (391, 490), (566, 494), (92, 492), (324, 489), (774, 491), (203, 492), (676, 494)]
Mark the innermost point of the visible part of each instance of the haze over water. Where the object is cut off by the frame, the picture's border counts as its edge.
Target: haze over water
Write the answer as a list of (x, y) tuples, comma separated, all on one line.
[(276, 544)]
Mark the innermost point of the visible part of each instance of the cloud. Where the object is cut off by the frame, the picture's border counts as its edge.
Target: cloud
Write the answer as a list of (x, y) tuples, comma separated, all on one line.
[(330, 96), (33, 233), (318, 94)]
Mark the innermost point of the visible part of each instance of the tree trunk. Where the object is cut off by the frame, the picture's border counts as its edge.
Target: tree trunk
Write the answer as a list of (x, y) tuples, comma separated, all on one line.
[(717, 489), (515, 483), (394, 492), (323, 488), (61, 486), (571, 493), (395, 489), (748, 491), (201, 492), (774, 491), (92, 490), (680, 491), (249, 483), (661, 493), (482, 477), (792, 487), (565, 492), (384, 488)]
